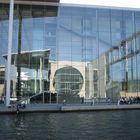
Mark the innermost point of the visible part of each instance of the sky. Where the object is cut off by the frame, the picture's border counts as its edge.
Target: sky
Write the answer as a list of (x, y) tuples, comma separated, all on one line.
[(114, 3)]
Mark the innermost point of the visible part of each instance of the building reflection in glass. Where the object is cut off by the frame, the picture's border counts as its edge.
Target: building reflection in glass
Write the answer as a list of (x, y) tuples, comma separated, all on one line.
[(72, 51)]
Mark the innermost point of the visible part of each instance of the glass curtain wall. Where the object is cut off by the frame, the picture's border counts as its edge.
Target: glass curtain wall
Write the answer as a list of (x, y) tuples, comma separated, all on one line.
[(71, 53), (105, 44), (34, 46)]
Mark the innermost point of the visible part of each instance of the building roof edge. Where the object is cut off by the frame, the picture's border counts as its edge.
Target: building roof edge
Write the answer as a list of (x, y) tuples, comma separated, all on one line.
[(99, 6)]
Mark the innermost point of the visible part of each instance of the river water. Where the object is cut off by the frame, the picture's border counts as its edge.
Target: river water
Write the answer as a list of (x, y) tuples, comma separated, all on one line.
[(104, 125)]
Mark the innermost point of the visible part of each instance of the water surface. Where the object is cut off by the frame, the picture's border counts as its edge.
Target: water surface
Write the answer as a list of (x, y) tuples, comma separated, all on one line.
[(111, 125)]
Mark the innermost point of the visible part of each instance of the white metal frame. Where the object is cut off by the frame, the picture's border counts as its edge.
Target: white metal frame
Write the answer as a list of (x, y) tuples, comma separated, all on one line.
[(10, 37)]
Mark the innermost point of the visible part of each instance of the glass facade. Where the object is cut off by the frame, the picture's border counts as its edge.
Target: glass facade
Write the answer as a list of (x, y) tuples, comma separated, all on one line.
[(74, 52)]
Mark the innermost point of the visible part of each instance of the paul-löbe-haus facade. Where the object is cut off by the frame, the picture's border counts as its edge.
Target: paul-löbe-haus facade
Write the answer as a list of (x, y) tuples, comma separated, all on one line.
[(68, 52)]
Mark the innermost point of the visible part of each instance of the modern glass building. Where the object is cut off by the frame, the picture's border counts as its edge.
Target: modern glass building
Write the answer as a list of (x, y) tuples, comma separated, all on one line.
[(68, 51)]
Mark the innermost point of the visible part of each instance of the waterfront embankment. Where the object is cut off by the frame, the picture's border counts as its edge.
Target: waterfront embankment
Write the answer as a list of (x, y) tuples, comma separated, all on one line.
[(67, 108)]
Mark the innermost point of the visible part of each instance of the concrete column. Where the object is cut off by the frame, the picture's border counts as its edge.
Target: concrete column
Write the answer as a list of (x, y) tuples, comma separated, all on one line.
[(57, 97), (50, 97), (90, 77), (40, 75), (10, 37), (35, 86)]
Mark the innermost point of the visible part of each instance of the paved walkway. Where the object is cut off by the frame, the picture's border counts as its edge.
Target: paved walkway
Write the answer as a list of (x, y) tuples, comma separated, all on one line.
[(67, 108)]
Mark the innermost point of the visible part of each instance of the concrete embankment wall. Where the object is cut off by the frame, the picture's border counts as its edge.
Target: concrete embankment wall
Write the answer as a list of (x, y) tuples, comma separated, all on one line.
[(68, 108), (99, 108)]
